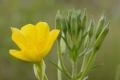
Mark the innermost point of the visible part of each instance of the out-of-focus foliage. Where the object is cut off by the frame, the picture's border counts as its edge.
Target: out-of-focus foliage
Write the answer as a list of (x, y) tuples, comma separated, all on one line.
[(19, 12)]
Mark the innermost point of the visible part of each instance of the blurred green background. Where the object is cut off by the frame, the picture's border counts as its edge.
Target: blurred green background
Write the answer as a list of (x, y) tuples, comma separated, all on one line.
[(16, 13)]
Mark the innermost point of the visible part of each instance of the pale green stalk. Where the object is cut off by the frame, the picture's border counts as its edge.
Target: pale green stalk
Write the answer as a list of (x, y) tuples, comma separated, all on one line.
[(88, 65), (39, 70), (59, 64), (83, 63), (74, 70)]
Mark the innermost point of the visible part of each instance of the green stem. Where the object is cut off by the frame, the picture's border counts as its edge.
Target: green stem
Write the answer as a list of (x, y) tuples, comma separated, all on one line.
[(84, 63), (65, 40), (86, 69), (74, 70), (39, 70), (61, 64), (59, 72), (45, 78)]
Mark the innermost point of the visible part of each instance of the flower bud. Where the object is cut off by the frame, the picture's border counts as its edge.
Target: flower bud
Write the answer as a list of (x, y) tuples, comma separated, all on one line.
[(91, 28), (101, 37), (68, 20), (73, 24), (58, 20), (86, 41), (61, 22), (78, 21), (100, 25), (84, 19)]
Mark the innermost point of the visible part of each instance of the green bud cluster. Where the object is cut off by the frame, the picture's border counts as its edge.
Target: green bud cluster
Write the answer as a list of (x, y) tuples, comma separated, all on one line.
[(82, 37), (81, 33)]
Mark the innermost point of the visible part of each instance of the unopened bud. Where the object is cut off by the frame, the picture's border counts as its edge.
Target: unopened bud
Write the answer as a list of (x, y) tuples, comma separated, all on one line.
[(61, 22), (78, 21), (58, 20), (91, 28), (101, 36), (73, 24), (84, 19), (101, 24)]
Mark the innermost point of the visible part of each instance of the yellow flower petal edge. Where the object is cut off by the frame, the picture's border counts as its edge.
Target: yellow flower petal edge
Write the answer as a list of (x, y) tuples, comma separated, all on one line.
[(52, 37), (34, 41), (18, 38), (19, 55)]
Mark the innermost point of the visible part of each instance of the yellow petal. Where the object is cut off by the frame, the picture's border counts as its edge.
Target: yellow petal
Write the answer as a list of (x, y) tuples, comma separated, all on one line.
[(53, 36), (18, 38), (29, 32), (27, 29), (19, 55), (42, 30)]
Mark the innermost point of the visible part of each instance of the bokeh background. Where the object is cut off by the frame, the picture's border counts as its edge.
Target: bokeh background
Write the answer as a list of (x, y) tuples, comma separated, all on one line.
[(19, 12)]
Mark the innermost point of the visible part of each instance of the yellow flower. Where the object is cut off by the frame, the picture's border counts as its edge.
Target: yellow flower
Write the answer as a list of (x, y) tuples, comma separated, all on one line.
[(34, 41)]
